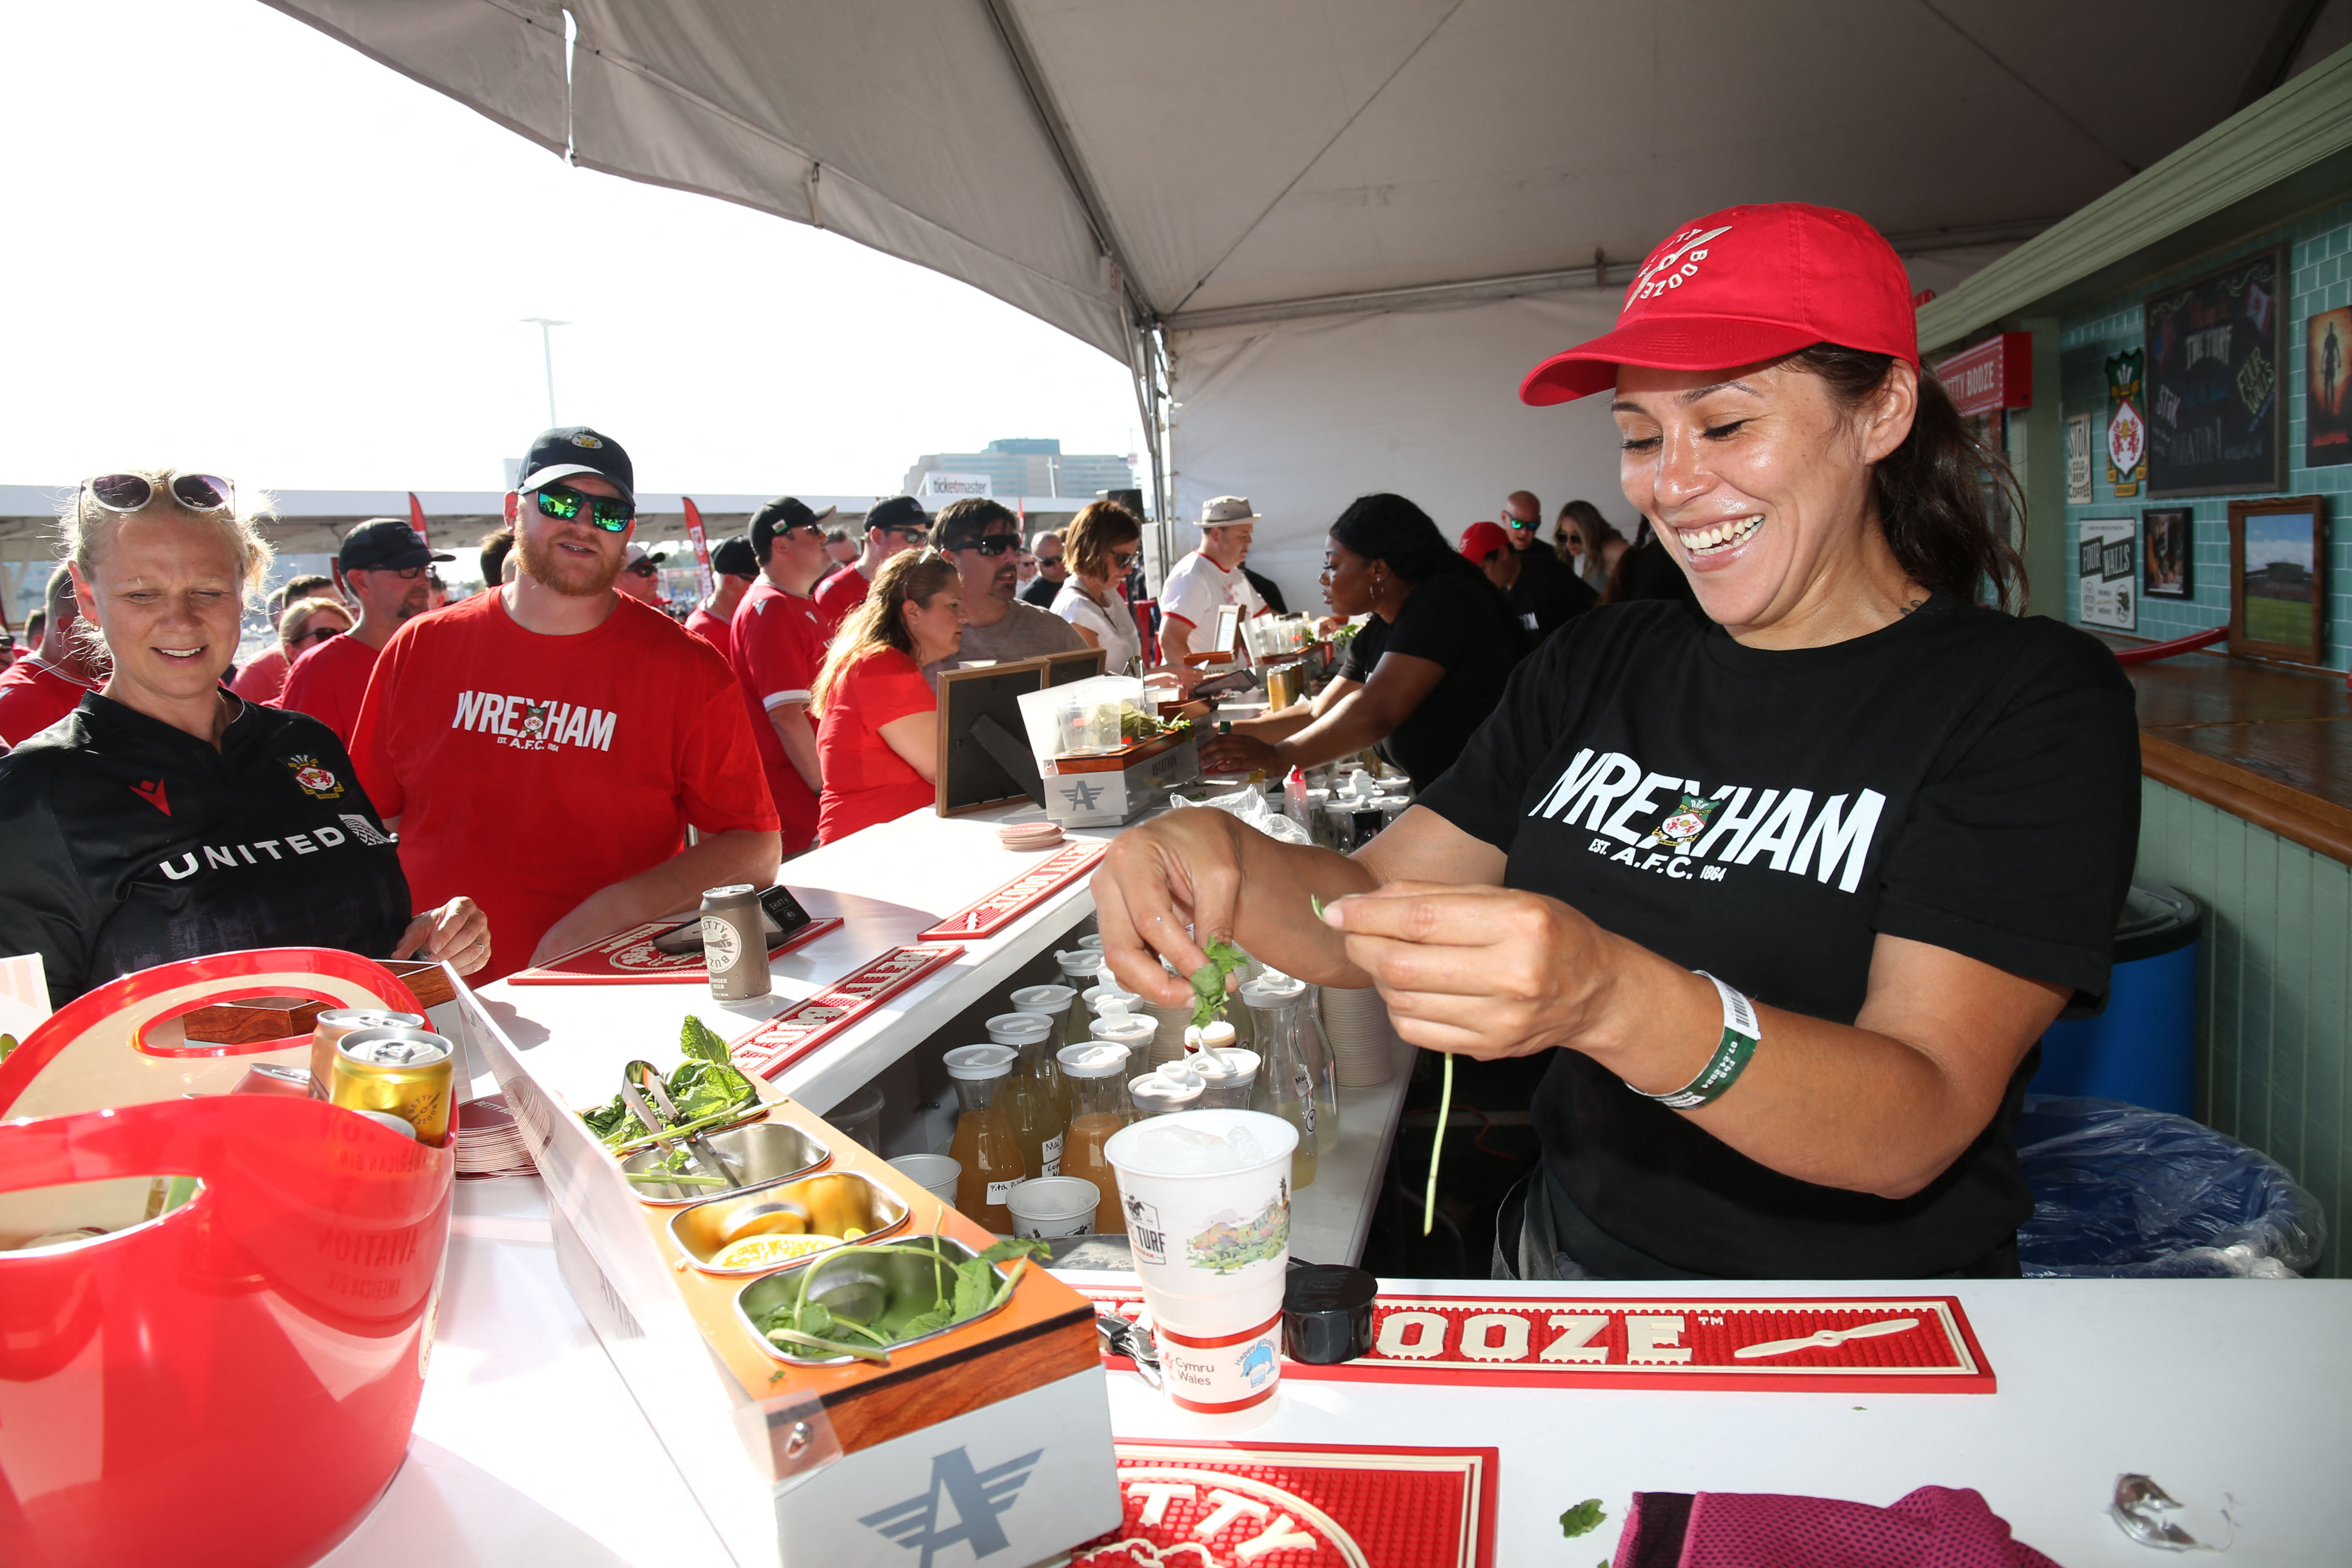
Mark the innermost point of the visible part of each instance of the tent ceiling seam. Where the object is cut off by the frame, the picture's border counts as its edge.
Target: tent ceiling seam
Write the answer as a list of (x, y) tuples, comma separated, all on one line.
[(1055, 126), (1308, 167), (2041, 97)]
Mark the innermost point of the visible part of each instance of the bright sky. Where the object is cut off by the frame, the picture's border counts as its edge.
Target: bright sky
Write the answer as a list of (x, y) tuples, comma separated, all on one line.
[(237, 245)]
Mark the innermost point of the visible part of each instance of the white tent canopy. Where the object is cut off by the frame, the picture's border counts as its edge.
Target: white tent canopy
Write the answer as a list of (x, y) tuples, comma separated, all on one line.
[(1184, 184)]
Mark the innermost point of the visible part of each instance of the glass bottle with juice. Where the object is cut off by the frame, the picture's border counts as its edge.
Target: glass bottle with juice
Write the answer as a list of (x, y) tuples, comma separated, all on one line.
[(1277, 1003), (1285, 1088), (984, 1145), (1098, 1075), (1053, 1004), (1027, 1100), (1034, 1039)]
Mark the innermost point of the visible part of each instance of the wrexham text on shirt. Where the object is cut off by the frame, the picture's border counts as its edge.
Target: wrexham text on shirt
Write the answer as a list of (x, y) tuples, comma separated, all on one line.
[(534, 726), (1612, 794)]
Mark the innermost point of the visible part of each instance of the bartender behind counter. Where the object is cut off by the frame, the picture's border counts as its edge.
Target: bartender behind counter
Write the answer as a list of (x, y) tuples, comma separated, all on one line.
[(1787, 884), (165, 818), (1417, 679)]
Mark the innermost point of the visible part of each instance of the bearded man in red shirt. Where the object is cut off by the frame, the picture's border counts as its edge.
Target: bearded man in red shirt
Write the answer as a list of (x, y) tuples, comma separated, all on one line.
[(548, 743)]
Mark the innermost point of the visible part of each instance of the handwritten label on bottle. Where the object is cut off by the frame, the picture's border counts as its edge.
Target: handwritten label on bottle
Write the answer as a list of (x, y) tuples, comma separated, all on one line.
[(1052, 1152)]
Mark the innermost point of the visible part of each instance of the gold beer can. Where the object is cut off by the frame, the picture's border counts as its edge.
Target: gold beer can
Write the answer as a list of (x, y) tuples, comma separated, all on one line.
[(332, 1027), (402, 1070)]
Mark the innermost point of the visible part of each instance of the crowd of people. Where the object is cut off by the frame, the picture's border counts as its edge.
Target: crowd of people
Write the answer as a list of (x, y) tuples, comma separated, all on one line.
[(564, 753)]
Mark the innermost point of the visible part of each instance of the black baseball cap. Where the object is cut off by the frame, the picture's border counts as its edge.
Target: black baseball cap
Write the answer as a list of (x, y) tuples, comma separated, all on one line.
[(734, 558), (385, 543), (898, 512), (777, 516), (572, 449)]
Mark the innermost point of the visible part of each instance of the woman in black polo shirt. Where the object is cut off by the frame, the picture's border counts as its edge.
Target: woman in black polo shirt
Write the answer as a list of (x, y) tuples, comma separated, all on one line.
[(1786, 883), (1417, 679), (167, 819)]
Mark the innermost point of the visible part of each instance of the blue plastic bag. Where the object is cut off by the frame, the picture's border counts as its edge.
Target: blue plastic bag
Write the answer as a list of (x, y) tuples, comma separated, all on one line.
[(2120, 1191)]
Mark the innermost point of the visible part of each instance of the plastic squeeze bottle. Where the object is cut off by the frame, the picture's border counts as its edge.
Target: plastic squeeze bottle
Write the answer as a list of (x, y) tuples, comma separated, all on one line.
[(984, 1145)]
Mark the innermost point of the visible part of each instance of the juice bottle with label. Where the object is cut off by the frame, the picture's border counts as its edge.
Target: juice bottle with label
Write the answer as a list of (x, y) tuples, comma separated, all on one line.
[(1098, 1075), (984, 1145), (1053, 1004), (1023, 1031), (1028, 1101)]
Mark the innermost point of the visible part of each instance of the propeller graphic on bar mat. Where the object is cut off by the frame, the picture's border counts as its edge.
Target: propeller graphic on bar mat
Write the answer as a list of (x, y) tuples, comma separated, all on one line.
[(1823, 1339)]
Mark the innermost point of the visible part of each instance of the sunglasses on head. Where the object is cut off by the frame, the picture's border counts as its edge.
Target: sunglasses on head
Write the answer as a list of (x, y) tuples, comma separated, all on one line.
[(608, 512), (132, 492), (993, 544)]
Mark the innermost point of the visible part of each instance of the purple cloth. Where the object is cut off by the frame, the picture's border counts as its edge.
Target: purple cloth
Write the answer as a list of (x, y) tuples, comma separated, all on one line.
[(1934, 1527)]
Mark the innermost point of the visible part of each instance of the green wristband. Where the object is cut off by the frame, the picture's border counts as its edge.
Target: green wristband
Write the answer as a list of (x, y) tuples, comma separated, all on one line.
[(1740, 1034)]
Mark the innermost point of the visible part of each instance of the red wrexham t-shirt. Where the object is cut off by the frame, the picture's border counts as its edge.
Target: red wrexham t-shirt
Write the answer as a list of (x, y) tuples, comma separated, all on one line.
[(529, 771), (712, 630), (865, 781), (328, 682), (778, 646), (34, 695), (837, 596)]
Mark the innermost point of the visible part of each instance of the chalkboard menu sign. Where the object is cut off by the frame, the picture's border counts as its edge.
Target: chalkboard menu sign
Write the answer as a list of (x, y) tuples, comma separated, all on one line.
[(2216, 350)]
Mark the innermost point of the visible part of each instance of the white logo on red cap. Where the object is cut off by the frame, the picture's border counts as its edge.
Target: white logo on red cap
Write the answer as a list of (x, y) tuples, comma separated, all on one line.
[(1676, 260)]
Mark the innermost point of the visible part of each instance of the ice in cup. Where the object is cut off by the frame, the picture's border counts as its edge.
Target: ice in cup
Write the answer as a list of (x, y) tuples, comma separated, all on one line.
[(1206, 1197)]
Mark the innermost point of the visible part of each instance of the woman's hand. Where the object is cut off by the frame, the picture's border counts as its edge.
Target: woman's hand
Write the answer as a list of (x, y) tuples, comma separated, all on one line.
[(1487, 971), (457, 932), (1238, 753)]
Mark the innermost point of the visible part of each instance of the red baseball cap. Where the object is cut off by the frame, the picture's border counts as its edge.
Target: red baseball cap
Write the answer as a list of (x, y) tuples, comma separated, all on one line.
[(1743, 285), (1482, 539)]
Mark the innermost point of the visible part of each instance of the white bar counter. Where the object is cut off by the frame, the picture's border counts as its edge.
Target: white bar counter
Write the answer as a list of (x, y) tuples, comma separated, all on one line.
[(527, 1448), (888, 884)]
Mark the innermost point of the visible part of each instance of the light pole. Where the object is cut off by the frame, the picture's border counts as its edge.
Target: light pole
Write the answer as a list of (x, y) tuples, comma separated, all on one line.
[(547, 354)]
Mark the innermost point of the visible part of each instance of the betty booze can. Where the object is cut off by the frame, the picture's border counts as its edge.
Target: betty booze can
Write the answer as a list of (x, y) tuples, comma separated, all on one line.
[(734, 944), (404, 1071), (330, 1027)]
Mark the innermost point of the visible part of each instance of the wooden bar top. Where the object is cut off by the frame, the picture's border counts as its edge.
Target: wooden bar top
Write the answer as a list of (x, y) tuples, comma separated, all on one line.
[(2271, 743)]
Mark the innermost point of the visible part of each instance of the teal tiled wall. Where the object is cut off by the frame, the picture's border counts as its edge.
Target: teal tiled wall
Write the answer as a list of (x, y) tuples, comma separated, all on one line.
[(2320, 259)]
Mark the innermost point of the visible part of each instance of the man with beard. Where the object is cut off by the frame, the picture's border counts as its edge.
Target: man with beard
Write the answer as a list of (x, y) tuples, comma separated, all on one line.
[(384, 570), (979, 537), (548, 744)]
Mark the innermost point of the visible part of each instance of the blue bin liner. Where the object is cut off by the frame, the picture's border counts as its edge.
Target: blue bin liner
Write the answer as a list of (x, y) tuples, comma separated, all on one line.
[(2121, 1191)]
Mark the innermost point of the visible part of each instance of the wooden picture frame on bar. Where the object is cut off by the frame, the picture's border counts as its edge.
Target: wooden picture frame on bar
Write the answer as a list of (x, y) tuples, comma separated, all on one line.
[(2278, 608)]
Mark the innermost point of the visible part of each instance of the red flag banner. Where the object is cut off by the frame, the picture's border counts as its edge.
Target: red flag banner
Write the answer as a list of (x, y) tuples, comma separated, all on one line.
[(701, 543), (416, 517)]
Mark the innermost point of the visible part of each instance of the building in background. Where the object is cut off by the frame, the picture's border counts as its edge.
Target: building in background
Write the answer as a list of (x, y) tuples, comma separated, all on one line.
[(1030, 467)]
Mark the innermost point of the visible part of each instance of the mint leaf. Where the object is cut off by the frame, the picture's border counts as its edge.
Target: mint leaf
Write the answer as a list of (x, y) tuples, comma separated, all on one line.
[(1584, 1519)]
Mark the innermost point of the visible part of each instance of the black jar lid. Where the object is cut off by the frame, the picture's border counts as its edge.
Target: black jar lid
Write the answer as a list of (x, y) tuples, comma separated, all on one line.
[(1326, 1313)]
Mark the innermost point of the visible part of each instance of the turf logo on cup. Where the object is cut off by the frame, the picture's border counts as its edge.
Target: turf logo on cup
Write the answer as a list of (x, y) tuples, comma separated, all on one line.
[(1145, 1234)]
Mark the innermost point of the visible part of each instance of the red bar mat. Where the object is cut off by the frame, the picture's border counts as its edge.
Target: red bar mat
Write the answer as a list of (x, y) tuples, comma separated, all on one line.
[(1911, 1344), (627, 958), (1221, 1503), (987, 916), (812, 1021)]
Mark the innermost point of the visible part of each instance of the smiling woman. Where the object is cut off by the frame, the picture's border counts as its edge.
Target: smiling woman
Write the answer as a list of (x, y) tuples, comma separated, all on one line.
[(1844, 782), (166, 817)]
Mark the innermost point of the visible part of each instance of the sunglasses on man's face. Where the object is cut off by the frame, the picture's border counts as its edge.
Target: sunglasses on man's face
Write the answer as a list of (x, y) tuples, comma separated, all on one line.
[(132, 492), (608, 512), (993, 545), (908, 530), (1513, 523), (643, 569)]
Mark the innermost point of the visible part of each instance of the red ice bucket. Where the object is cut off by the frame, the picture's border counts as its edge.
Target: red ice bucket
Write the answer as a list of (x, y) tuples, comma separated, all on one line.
[(230, 1381)]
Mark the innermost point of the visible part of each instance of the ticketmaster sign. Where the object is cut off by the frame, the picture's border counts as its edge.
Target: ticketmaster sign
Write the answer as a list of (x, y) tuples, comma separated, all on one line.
[(939, 487)]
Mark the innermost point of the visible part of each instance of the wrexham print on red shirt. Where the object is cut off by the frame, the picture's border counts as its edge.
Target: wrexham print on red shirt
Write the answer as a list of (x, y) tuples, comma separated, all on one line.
[(526, 771)]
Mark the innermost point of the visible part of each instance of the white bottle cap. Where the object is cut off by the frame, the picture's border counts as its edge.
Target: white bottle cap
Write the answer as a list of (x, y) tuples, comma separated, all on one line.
[(1049, 999), (970, 1062), (1101, 1059), (1019, 1029)]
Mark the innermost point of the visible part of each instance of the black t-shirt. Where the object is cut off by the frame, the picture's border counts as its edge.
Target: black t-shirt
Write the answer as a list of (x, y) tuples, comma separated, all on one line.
[(1457, 620), (1961, 777), (1548, 595), (1041, 592), (1648, 571), (128, 843)]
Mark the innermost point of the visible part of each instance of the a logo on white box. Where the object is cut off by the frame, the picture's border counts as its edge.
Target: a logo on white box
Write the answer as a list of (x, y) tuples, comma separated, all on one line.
[(974, 1497)]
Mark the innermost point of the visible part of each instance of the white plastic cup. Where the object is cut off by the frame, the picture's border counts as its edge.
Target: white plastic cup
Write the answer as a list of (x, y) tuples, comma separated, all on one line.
[(1213, 1251), (1048, 1207), (935, 1173)]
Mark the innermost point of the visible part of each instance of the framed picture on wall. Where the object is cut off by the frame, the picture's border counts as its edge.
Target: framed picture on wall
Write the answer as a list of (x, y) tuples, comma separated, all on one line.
[(2278, 566), (2327, 377), (2167, 569), (2106, 564), (2216, 364), (2078, 460)]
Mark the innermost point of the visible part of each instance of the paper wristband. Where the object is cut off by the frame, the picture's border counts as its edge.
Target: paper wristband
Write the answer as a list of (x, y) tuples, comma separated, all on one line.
[(1740, 1034)]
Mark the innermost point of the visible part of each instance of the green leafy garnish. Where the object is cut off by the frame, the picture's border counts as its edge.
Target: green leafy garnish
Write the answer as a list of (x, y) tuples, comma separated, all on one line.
[(1209, 983), (706, 1087), (1584, 1519), (961, 1293), (1316, 904)]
